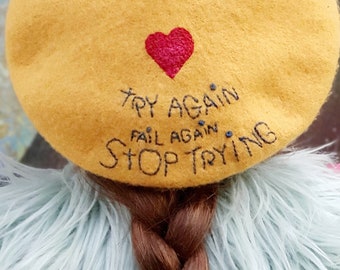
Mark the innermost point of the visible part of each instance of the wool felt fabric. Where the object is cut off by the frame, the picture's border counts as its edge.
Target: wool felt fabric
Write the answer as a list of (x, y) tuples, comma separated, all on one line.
[(282, 214), (169, 94)]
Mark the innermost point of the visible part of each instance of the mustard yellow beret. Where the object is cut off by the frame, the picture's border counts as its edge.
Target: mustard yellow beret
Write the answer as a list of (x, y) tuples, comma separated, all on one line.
[(171, 94)]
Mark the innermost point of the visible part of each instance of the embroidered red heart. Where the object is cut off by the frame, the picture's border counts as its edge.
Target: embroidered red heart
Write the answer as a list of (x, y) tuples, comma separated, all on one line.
[(171, 51)]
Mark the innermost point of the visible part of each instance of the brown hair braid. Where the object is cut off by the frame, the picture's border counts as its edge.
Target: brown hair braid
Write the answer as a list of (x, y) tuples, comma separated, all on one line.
[(168, 227)]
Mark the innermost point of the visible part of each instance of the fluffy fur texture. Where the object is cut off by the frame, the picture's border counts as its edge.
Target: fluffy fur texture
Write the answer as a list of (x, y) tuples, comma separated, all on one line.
[(281, 214)]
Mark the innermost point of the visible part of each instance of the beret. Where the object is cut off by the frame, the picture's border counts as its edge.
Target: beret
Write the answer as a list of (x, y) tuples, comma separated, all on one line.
[(171, 94)]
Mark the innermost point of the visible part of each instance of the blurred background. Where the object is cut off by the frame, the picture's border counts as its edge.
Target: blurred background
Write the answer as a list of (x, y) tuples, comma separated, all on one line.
[(19, 139), (16, 132)]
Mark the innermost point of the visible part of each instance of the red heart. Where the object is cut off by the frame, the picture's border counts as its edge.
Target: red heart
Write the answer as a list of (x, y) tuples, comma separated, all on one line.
[(171, 51)]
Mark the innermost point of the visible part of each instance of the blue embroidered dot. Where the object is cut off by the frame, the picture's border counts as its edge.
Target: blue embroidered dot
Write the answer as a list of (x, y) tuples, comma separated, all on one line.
[(229, 134), (213, 87), (201, 123), (148, 129)]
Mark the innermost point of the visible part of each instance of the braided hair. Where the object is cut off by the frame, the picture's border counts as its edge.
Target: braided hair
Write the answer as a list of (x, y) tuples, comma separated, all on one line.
[(168, 227)]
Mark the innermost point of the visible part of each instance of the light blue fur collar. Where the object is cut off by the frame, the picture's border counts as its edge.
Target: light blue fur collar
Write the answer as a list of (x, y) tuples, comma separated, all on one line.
[(281, 214)]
